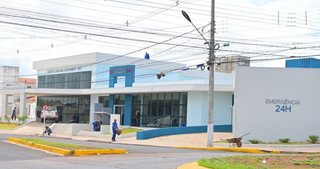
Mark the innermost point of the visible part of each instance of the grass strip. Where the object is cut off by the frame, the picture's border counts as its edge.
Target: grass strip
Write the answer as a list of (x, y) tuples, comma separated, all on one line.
[(263, 162), (128, 131), (6, 126), (66, 146)]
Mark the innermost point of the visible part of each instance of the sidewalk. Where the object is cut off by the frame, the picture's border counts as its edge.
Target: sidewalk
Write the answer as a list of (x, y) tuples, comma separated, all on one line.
[(192, 141)]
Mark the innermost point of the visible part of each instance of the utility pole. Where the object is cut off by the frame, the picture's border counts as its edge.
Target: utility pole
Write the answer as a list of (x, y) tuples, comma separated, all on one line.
[(210, 62), (211, 79)]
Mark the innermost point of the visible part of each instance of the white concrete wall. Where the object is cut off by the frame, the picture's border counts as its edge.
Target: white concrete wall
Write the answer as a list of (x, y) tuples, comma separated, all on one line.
[(253, 114), (105, 129), (198, 108), (76, 127)]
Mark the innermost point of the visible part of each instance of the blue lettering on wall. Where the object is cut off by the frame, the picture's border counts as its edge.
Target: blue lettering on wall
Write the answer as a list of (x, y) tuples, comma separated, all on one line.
[(283, 108)]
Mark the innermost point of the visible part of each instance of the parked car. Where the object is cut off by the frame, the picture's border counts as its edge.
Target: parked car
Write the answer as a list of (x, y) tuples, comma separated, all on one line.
[(50, 114)]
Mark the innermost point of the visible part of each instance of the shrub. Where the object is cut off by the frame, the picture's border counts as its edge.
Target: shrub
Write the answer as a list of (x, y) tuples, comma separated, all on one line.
[(313, 139), (284, 140), (22, 118), (254, 141), (7, 119)]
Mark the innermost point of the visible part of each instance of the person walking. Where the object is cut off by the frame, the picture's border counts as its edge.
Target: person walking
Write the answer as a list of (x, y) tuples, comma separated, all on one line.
[(137, 115), (14, 114), (114, 129)]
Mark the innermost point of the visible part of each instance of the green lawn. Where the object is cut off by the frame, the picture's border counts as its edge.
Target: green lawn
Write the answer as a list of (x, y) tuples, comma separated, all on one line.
[(5, 126), (128, 131), (262, 162), (65, 146)]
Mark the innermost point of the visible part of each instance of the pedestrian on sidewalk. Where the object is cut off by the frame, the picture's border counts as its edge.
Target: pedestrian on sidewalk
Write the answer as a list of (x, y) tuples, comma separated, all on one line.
[(137, 115), (48, 130), (14, 114), (114, 128)]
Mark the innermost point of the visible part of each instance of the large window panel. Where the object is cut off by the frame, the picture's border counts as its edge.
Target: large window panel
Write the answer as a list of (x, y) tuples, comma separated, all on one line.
[(161, 109)]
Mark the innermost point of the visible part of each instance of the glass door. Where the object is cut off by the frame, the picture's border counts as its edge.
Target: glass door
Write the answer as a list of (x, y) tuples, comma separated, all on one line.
[(119, 109)]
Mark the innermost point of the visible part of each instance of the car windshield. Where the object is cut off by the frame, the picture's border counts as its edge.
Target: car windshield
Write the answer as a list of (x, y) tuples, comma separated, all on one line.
[(52, 108)]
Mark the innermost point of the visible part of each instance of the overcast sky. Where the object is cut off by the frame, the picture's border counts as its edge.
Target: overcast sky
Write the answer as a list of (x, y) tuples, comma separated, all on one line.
[(262, 29)]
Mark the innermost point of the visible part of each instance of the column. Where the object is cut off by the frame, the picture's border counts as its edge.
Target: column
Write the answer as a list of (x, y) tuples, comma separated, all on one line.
[(23, 106), (93, 99), (127, 109), (4, 106)]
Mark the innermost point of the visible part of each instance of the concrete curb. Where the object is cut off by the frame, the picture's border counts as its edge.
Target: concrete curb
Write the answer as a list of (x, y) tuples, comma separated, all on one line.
[(67, 152), (247, 150), (97, 152), (193, 165), (48, 148)]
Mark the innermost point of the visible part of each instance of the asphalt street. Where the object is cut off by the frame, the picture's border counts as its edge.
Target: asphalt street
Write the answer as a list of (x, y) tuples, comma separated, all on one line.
[(139, 157)]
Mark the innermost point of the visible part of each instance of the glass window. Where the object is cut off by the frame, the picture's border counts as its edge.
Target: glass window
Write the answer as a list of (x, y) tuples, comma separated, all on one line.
[(168, 99), (161, 110), (146, 99), (78, 80), (69, 108), (161, 98), (183, 98), (154, 99), (175, 98)]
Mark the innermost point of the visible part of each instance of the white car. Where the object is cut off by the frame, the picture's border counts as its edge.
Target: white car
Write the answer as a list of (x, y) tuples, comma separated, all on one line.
[(50, 114)]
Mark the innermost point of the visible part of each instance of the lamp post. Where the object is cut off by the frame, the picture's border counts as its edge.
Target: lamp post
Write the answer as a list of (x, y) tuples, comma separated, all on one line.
[(211, 73)]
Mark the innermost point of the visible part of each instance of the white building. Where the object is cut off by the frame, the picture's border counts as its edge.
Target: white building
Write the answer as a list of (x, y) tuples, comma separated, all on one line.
[(276, 103), (74, 84)]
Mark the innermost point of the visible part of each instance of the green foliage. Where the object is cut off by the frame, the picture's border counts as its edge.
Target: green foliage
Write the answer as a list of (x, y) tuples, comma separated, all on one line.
[(296, 162), (22, 118), (313, 139), (253, 162), (7, 119), (284, 140), (0, 118), (66, 146), (254, 141)]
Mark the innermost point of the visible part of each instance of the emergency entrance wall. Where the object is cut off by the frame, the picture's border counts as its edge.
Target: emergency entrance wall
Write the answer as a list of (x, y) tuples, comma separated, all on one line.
[(274, 103)]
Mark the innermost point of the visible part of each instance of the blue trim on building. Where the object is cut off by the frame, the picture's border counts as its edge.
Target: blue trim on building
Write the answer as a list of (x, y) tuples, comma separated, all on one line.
[(128, 71), (147, 134), (111, 102), (303, 63), (127, 109)]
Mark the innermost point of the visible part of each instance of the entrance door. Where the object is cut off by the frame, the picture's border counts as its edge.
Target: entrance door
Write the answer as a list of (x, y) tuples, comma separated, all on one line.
[(119, 109)]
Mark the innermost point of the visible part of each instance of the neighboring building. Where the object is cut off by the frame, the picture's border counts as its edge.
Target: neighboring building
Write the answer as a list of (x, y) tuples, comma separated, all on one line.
[(9, 80), (74, 84), (277, 103), (228, 64)]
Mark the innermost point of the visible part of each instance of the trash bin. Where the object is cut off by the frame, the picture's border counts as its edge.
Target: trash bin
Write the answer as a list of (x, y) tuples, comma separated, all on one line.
[(94, 126)]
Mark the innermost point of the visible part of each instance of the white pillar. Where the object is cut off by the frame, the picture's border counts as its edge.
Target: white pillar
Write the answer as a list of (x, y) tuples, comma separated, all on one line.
[(93, 99), (23, 106), (4, 106)]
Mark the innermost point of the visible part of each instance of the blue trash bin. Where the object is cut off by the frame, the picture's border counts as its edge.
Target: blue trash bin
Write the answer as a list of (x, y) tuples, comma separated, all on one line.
[(95, 126)]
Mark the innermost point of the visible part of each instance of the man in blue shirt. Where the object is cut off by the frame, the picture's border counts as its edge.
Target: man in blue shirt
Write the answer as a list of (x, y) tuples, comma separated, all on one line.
[(114, 128), (183, 124), (14, 112)]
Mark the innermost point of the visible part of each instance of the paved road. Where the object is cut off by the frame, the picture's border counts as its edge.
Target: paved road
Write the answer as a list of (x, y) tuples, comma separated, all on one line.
[(139, 157)]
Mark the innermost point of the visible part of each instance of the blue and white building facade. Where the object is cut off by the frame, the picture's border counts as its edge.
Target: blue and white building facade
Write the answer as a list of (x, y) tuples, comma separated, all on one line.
[(74, 84)]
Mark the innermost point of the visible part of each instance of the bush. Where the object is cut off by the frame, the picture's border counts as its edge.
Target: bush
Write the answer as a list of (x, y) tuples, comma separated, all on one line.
[(22, 118), (284, 140), (7, 119), (313, 139), (254, 141)]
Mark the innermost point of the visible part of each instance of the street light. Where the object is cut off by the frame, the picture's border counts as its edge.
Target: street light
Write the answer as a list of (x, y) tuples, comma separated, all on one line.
[(211, 73)]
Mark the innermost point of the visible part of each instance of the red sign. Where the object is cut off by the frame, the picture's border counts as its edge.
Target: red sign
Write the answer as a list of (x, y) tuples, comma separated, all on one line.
[(45, 107)]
